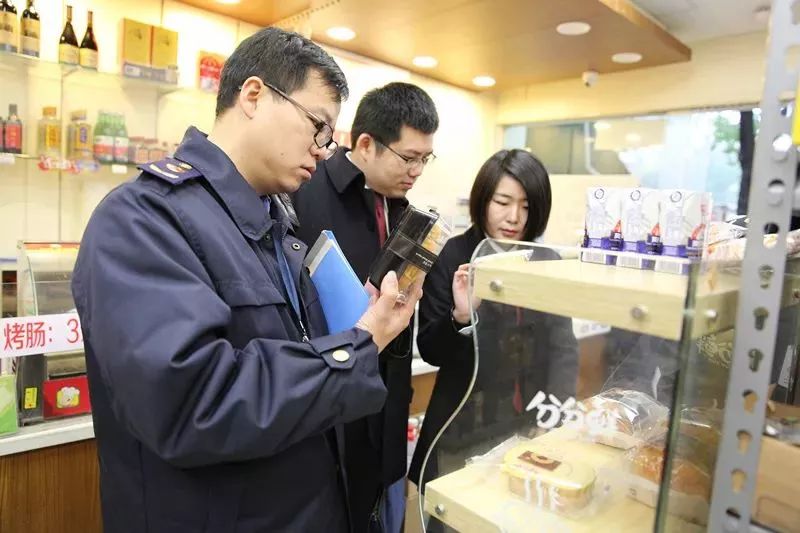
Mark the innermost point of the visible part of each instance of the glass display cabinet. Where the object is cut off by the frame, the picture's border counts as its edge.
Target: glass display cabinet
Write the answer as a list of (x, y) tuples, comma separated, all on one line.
[(593, 399), (49, 385)]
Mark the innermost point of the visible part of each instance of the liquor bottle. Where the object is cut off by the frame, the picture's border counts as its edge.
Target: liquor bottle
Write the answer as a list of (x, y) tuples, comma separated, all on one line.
[(68, 44), (88, 51), (50, 133), (9, 31), (79, 140), (30, 30), (12, 132)]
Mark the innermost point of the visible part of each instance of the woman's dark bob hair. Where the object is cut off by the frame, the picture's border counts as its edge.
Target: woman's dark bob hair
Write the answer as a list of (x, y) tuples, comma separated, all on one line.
[(529, 172)]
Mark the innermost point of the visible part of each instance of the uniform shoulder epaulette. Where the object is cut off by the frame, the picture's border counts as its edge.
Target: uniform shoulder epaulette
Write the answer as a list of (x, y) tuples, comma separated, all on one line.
[(171, 170)]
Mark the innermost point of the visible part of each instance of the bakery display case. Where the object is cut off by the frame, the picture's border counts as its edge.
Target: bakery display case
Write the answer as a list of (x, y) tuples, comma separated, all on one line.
[(595, 398), (49, 385)]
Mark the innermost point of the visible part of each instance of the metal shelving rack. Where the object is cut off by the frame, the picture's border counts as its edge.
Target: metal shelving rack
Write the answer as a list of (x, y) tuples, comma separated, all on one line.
[(773, 195)]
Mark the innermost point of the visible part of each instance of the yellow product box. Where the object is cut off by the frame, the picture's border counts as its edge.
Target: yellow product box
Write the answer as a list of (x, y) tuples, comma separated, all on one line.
[(164, 48), (136, 42)]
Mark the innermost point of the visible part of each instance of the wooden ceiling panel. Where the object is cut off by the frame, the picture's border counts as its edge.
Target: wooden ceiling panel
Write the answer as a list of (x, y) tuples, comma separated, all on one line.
[(512, 40), (259, 12)]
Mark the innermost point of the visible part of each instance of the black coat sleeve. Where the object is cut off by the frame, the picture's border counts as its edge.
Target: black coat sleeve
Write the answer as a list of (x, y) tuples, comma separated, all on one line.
[(440, 344), (152, 319)]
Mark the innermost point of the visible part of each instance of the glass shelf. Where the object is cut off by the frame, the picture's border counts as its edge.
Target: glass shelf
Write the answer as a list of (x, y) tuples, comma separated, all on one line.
[(76, 75), (69, 168)]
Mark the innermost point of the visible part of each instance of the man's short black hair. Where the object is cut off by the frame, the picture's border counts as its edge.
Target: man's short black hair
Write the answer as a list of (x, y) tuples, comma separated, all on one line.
[(530, 173), (282, 59), (384, 111)]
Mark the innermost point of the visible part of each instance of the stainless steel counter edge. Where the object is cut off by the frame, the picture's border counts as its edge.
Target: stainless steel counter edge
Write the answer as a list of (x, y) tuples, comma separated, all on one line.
[(64, 431), (46, 434)]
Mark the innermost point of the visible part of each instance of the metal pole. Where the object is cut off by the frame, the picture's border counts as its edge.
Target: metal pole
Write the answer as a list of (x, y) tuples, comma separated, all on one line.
[(770, 202)]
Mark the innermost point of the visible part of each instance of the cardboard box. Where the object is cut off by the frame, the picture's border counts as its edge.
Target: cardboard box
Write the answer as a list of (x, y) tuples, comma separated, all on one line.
[(683, 220), (775, 502), (640, 229), (136, 43), (603, 223), (66, 396), (164, 49)]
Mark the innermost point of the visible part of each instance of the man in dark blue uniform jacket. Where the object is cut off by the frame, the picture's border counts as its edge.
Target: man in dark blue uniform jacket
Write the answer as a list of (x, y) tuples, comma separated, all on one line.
[(218, 396)]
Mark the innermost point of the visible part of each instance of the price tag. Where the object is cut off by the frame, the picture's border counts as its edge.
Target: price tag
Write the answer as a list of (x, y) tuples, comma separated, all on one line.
[(119, 169), (40, 334), (587, 328), (6, 159)]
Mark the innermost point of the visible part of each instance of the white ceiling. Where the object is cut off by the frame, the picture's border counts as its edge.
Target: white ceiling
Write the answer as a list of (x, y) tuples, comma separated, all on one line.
[(698, 20)]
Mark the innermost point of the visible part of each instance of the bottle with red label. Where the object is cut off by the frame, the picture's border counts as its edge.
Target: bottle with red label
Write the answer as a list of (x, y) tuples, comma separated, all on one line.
[(12, 132)]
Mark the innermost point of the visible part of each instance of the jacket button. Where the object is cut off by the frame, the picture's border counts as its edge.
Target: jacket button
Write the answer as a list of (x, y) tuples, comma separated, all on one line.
[(295, 246), (268, 237), (340, 356)]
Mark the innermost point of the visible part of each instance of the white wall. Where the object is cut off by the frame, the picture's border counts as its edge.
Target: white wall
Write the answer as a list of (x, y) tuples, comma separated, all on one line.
[(466, 135), (36, 205)]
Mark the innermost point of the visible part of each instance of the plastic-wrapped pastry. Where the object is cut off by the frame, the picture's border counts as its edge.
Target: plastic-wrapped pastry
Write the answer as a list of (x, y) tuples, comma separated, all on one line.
[(411, 250), (623, 418), (555, 483), (731, 249), (692, 465), (687, 477)]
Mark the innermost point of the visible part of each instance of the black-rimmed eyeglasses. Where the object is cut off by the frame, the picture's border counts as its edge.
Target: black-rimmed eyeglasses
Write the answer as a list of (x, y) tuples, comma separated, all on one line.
[(411, 162), (323, 137)]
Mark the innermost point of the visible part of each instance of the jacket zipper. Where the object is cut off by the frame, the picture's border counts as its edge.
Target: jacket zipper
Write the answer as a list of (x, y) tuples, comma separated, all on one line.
[(375, 515), (298, 320), (303, 330)]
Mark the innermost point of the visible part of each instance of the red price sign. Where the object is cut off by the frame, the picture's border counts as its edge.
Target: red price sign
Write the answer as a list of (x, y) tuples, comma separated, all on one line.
[(40, 334)]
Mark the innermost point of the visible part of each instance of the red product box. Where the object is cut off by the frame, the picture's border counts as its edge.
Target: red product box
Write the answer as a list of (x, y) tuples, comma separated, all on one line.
[(65, 397)]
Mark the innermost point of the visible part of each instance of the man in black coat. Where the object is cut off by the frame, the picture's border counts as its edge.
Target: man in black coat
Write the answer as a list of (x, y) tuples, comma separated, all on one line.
[(360, 196)]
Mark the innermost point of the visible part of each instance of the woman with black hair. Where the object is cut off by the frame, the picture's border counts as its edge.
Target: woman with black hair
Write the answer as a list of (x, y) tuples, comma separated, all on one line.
[(522, 352)]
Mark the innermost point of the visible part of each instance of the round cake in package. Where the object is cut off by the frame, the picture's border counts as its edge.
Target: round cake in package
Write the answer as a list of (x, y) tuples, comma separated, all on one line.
[(547, 480)]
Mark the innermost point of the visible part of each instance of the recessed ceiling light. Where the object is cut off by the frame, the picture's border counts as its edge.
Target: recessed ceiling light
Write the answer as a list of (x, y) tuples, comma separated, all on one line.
[(483, 81), (341, 33), (573, 28), (602, 125), (626, 57), (633, 138), (425, 61)]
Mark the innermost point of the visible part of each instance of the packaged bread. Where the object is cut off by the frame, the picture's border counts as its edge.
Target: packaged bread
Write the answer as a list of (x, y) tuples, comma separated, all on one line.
[(547, 480), (693, 464), (623, 418), (411, 250)]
